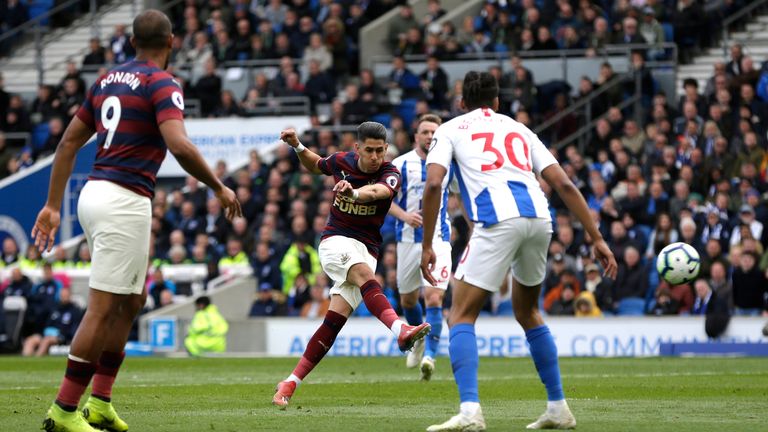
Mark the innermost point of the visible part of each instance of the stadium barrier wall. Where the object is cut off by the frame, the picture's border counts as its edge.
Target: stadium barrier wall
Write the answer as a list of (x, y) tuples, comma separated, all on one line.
[(232, 139), (503, 337), (496, 337), (23, 194)]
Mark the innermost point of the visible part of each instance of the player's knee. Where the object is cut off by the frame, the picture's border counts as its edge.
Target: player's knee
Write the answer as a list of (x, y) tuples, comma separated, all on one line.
[(525, 315), (133, 306), (434, 299), (359, 274), (407, 303)]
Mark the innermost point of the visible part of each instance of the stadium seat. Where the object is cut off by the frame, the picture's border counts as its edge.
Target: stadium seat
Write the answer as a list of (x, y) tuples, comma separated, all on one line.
[(500, 48), (14, 308), (505, 308), (40, 7), (631, 306), (40, 135), (407, 110), (478, 22), (384, 119), (669, 32)]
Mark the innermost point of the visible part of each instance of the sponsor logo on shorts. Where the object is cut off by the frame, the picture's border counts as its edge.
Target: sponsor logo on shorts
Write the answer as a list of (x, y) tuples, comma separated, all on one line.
[(345, 258)]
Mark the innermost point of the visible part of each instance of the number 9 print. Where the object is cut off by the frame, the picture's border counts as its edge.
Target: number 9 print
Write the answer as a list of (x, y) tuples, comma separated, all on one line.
[(111, 110)]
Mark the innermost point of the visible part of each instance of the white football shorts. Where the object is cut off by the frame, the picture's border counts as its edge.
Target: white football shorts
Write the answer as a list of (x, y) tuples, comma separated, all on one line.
[(520, 243), (117, 223), (337, 255), (409, 278)]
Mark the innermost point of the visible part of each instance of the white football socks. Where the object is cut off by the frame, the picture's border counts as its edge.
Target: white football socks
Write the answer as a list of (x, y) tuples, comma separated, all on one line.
[(556, 406), (469, 409), (295, 379), (396, 327)]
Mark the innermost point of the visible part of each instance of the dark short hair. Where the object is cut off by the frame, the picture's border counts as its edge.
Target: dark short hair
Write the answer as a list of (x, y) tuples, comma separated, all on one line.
[(372, 130), (690, 81), (151, 30), (431, 118), (479, 90), (204, 301)]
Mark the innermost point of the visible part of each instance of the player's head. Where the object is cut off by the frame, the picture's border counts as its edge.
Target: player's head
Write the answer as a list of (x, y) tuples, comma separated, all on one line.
[(202, 302), (152, 32), (371, 145), (480, 90), (425, 129)]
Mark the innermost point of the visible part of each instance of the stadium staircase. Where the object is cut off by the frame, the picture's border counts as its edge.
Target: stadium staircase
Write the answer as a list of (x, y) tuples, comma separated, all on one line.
[(63, 45), (753, 37)]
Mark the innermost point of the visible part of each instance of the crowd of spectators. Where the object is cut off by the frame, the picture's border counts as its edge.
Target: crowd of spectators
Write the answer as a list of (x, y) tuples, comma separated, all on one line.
[(540, 26), (693, 169), (314, 48)]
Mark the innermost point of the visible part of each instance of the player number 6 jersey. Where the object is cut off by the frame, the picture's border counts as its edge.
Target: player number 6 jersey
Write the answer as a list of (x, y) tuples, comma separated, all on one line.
[(413, 175)]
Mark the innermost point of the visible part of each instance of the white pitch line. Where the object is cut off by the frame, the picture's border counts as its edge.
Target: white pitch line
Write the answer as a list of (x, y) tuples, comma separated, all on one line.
[(137, 383)]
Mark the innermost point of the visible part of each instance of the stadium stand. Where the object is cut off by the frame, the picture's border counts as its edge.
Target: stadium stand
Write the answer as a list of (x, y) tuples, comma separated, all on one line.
[(657, 165)]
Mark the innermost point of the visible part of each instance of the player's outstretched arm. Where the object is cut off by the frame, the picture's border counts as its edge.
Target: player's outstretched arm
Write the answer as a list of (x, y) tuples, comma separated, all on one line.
[(364, 194), (307, 157), (175, 137), (558, 179), (49, 218), (430, 205), (412, 219)]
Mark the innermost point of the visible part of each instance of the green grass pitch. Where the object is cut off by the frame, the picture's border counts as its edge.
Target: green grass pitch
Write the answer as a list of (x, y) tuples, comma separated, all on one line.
[(379, 394)]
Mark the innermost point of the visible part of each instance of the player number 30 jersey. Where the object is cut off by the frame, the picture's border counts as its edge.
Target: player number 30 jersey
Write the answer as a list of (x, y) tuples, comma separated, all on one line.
[(494, 159)]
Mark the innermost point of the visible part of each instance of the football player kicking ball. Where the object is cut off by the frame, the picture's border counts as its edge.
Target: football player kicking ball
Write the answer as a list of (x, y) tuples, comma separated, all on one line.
[(496, 160), (350, 244), (409, 234)]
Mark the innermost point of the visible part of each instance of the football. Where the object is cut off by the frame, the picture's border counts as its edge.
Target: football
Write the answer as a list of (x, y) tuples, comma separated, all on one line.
[(678, 263)]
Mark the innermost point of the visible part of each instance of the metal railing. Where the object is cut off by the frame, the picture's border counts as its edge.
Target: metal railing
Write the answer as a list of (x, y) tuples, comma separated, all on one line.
[(288, 105), (36, 21), (736, 17), (564, 54), (16, 137), (582, 103), (40, 32), (584, 133)]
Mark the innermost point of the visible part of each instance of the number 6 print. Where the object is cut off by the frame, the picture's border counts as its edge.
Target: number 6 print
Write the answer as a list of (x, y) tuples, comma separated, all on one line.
[(110, 122)]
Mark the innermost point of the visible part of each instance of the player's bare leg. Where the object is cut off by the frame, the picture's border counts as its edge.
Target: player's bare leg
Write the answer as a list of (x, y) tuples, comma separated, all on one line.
[(433, 298), (46, 344), (31, 345), (85, 350), (98, 410), (318, 346), (361, 275), (468, 301), (525, 300)]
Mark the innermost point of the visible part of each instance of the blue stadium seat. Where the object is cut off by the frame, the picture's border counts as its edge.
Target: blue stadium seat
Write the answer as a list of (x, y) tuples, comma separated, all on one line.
[(40, 135), (500, 48), (40, 7), (669, 36), (478, 22), (669, 32), (505, 308), (653, 283), (407, 110), (384, 119), (631, 306)]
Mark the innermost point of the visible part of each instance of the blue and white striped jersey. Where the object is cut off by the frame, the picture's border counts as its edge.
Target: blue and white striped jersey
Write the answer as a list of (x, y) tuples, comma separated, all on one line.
[(413, 176), (494, 159)]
